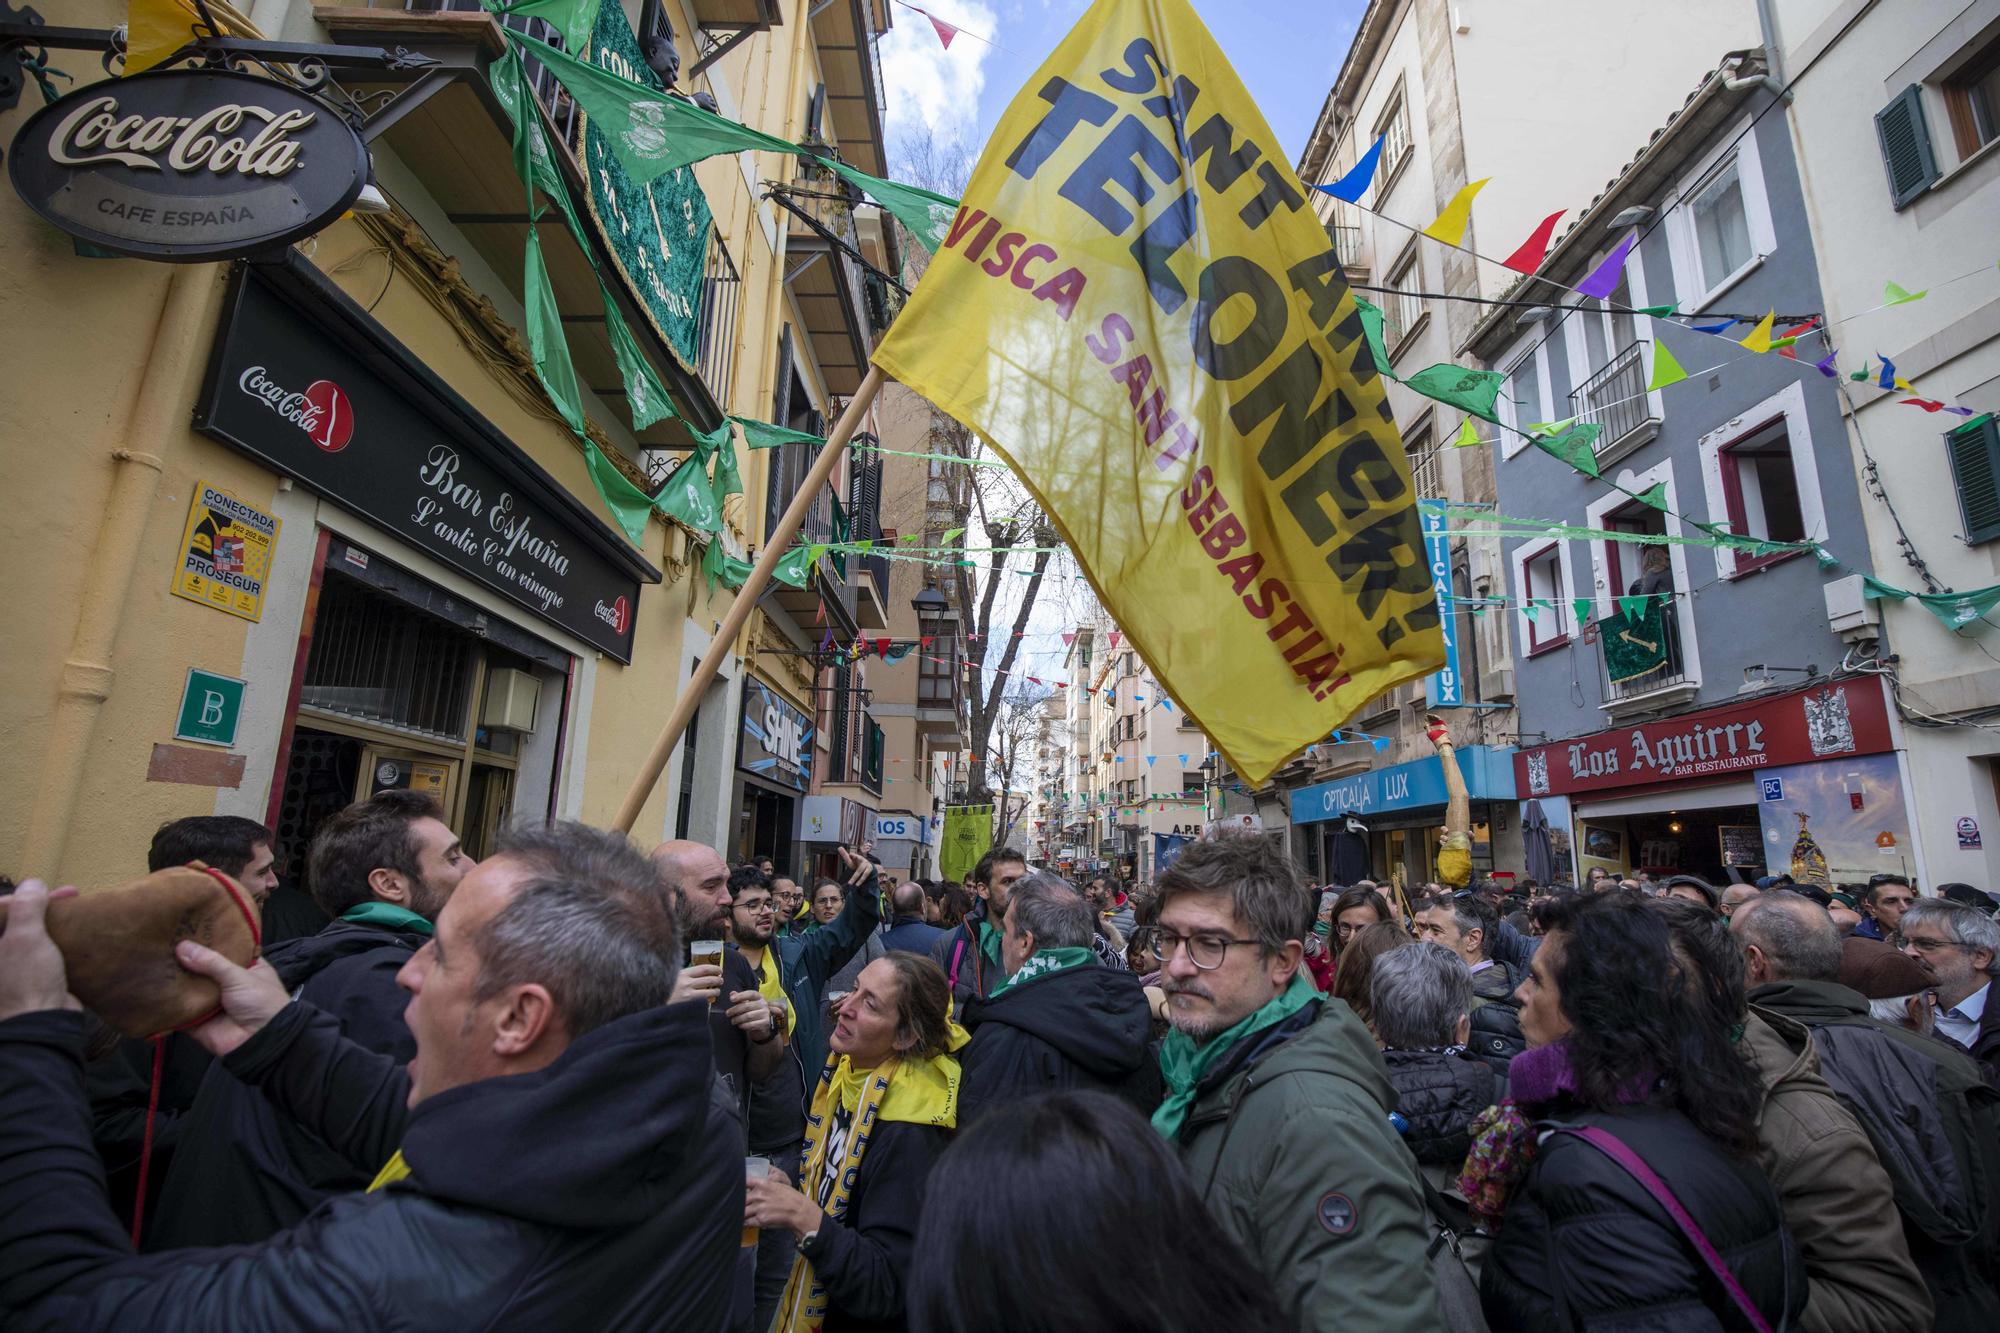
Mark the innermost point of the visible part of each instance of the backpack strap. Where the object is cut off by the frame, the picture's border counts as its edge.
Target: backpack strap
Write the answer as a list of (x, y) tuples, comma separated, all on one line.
[(1615, 1148), (957, 956)]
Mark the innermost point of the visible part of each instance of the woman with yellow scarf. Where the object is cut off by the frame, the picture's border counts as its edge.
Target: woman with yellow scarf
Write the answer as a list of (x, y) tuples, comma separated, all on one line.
[(886, 1106)]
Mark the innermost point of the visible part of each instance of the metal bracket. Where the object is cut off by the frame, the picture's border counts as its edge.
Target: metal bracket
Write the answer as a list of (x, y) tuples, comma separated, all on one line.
[(717, 50), (427, 85)]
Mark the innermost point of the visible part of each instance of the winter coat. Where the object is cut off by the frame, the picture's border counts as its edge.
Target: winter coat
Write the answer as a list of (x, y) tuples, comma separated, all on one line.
[(1835, 1196), (912, 934), (1580, 1230), (243, 1171), (865, 1258), (1086, 1028), (1290, 1145), (121, 1088), (1496, 1017), (969, 971), (582, 1195), (1935, 1126), (1437, 1095)]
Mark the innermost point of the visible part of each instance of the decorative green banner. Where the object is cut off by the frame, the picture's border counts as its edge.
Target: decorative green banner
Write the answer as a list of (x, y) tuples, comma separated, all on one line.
[(1635, 639), (657, 231), (968, 834)]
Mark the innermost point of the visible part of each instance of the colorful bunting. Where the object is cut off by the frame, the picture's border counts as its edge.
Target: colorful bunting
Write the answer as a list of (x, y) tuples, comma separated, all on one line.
[(763, 435), (1474, 391), (1894, 295), (1759, 338), (1576, 446), (1466, 437), (1933, 405), (627, 503), (1580, 609), (1954, 610), (1723, 327), (1666, 370), (1825, 366), (1350, 187), (1536, 248), (1604, 279), (1449, 226)]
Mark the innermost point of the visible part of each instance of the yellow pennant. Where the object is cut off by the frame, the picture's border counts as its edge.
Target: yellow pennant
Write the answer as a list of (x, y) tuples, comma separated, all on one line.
[(1450, 225), (1760, 337), (155, 29), (1137, 308)]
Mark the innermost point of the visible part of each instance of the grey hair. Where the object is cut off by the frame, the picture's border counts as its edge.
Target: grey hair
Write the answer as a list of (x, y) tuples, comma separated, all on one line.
[(1896, 1011), (1417, 995), (1798, 938), (1962, 924), (1053, 912), (592, 923), (1258, 878), (1469, 912)]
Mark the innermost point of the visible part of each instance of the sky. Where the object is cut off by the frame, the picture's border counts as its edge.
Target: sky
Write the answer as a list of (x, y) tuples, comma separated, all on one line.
[(1285, 51), (1286, 60)]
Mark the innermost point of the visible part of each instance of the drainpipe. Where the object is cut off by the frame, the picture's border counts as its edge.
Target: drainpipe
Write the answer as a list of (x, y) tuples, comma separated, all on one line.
[(159, 415)]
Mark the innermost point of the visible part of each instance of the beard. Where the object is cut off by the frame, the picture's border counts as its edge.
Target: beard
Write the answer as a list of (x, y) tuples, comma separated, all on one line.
[(427, 900), (1200, 1027), (753, 937), (697, 920)]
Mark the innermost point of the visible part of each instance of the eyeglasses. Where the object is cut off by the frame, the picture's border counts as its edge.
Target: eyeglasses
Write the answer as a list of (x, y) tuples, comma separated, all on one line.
[(1204, 951), (1922, 945)]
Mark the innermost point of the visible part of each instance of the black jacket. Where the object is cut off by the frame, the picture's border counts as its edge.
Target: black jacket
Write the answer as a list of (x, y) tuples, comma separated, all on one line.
[(1581, 1230), (586, 1194), (1085, 1027), (1496, 1017), (864, 1259), (121, 1088), (1935, 1125), (242, 1171), (971, 973), (1438, 1094)]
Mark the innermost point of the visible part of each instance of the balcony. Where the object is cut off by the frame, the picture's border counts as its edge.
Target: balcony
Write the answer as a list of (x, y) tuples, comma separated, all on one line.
[(840, 314), (941, 702), (828, 586), (1668, 685), (1615, 398)]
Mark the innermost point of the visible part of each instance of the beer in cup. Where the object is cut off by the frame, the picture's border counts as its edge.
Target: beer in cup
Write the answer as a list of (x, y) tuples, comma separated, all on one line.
[(754, 1168), (706, 951)]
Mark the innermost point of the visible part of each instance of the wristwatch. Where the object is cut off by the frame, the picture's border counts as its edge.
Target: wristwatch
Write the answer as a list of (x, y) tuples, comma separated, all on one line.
[(807, 1239)]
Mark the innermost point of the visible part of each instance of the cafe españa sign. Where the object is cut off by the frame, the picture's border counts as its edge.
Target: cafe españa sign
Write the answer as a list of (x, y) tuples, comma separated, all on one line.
[(188, 165), (1828, 721)]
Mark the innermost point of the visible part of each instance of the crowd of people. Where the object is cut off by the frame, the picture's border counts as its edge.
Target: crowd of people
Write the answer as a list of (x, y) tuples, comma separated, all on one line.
[(515, 1093)]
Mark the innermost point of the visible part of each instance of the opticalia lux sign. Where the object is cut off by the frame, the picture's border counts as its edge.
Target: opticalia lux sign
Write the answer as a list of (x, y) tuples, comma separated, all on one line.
[(1411, 786), (188, 165), (1845, 717)]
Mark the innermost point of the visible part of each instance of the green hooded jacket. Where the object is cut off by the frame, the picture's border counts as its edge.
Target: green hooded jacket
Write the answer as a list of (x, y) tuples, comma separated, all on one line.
[(1295, 1156)]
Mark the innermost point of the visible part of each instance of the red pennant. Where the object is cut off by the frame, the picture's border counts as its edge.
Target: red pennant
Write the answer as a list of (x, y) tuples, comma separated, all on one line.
[(1928, 404), (945, 31), (1115, 637), (1034, 680), (929, 639), (1068, 639), (1062, 684), (1533, 250), (882, 647)]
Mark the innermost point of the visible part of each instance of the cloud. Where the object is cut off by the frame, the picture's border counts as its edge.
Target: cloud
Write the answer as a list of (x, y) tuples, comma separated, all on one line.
[(926, 85)]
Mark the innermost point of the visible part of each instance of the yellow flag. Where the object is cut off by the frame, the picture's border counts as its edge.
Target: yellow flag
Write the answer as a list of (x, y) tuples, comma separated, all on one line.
[(1449, 226), (1759, 339), (1137, 308), (155, 29)]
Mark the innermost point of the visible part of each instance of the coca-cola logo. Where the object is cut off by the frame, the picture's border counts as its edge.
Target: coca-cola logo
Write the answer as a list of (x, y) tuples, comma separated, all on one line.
[(236, 137), (616, 613), (323, 410)]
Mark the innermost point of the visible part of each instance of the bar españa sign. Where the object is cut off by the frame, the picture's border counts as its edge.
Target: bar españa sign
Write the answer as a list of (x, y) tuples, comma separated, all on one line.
[(188, 166)]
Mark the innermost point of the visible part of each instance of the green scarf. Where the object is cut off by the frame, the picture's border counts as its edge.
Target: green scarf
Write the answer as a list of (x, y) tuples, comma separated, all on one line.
[(989, 942), (1046, 962), (1183, 1064), (375, 912)]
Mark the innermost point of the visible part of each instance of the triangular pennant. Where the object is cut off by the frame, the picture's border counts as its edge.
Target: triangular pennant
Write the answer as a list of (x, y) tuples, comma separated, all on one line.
[(1657, 311), (1536, 248), (1653, 497), (951, 535), (1604, 279), (1759, 338), (1152, 759), (1351, 186), (763, 435), (1825, 366), (1575, 445), (1466, 437), (646, 398), (1666, 370), (1474, 391), (1723, 327), (1114, 637), (1580, 608), (1449, 226), (627, 503), (944, 30), (1183, 759), (1069, 637), (1633, 608), (1532, 609), (1888, 378), (926, 214), (1894, 295)]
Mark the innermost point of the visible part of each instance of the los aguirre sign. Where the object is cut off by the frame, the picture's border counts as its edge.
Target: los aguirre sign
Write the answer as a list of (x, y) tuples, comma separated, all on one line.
[(367, 428), (1844, 717), (188, 165)]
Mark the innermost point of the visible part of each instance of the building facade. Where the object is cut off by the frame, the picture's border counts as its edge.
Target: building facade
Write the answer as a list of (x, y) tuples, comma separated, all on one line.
[(441, 600)]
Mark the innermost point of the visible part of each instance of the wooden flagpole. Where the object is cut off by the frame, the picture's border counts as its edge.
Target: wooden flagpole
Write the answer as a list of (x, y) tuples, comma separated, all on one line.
[(775, 544)]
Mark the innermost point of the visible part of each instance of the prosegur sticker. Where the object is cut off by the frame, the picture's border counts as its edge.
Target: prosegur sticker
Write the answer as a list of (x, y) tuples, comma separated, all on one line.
[(225, 553)]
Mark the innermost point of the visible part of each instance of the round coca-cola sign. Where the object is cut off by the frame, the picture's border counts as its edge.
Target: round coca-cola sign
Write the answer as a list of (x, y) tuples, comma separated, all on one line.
[(334, 415), (188, 165)]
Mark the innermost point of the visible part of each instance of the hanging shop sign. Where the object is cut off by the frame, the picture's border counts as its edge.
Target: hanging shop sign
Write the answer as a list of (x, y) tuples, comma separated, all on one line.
[(225, 553), (188, 165), (776, 740), (657, 230), (303, 380), (1445, 688), (834, 819), (1488, 773), (1827, 721)]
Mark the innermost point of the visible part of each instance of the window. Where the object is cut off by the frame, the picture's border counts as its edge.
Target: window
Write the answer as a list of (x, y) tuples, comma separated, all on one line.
[(1420, 446), (1763, 491), (1762, 480), (1401, 307), (1719, 221), (1975, 470), (1193, 780), (1972, 99), (1525, 396), (1393, 128), (1721, 227), (1541, 575), (684, 803)]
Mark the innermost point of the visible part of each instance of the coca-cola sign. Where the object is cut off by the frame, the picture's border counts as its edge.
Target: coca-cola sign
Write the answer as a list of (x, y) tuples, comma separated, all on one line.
[(321, 410), (188, 165)]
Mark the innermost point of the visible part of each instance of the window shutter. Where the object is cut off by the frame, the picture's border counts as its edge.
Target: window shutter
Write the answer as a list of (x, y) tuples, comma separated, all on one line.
[(1906, 146), (1975, 468)]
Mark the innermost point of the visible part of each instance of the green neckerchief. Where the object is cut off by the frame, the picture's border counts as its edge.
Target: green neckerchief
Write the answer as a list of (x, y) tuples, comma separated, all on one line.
[(1183, 1064), (989, 942), (1046, 962), (375, 912)]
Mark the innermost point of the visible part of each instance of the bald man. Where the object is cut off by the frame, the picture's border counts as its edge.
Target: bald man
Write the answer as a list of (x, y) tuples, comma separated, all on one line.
[(748, 1045)]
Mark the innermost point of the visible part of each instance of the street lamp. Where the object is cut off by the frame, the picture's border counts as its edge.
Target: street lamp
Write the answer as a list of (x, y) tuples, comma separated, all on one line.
[(929, 604)]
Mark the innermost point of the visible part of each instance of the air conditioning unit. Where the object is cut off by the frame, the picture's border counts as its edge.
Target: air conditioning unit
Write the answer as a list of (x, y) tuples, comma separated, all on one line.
[(510, 701), (1851, 614)]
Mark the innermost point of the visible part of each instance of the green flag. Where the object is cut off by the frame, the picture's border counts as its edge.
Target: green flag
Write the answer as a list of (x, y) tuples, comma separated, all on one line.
[(794, 566), (927, 215), (546, 342), (1580, 608), (1633, 607), (1653, 497), (649, 131), (688, 497), (573, 18), (645, 396), (1635, 644), (1473, 391), (1467, 436), (1666, 370), (1371, 328), (763, 435), (1954, 610), (1656, 311), (627, 503), (1532, 609), (1575, 445), (722, 443)]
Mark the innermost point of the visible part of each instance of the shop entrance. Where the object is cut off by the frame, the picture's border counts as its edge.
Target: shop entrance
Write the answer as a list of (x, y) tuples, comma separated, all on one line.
[(764, 828), (395, 698), (1723, 844)]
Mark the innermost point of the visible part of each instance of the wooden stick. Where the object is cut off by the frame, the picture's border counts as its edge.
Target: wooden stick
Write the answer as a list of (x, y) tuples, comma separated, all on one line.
[(775, 543)]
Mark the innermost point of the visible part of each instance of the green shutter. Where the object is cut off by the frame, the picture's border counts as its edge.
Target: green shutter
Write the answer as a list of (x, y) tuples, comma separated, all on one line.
[(1906, 146), (1975, 469)]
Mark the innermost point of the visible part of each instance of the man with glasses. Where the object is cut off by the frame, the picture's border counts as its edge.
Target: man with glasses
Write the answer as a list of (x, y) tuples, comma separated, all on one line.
[(1962, 946), (1279, 1103)]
